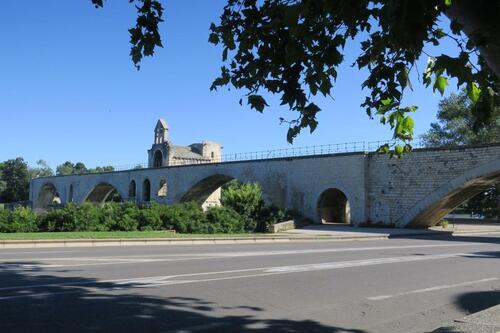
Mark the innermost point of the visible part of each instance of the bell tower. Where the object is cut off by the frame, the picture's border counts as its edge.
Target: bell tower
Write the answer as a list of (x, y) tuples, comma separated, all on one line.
[(161, 131), (158, 154)]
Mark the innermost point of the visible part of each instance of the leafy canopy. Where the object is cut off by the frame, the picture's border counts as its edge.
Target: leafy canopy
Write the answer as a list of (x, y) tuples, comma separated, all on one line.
[(457, 124), (293, 48)]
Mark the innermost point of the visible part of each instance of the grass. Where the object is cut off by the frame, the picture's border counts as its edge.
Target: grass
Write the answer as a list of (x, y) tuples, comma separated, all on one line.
[(114, 235)]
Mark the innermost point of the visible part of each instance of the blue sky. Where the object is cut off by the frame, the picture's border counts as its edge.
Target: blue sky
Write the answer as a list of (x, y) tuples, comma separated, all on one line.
[(69, 91)]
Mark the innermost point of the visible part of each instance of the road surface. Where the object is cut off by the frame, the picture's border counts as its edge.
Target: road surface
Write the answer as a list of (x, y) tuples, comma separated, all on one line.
[(396, 285)]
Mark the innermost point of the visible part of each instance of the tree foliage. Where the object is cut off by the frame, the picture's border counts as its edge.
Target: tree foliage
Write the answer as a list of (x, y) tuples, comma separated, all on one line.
[(457, 124), (15, 176), (293, 48), (78, 168)]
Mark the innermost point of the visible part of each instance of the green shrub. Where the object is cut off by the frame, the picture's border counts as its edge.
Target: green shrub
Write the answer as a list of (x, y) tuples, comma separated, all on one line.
[(4, 220), (150, 217), (443, 223), (223, 220), (185, 218), (22, 219), (270, 215), (246, 200), (121, 217)]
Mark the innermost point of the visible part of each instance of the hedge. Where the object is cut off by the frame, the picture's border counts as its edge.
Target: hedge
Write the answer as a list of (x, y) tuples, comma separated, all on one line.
[(183, 218)]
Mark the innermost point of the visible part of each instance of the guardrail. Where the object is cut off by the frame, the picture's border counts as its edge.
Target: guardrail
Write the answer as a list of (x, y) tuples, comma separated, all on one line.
[(334, 148)]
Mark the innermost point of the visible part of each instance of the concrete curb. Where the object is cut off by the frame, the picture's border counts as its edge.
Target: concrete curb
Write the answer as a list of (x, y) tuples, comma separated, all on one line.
[(46, 243), (10, 244)]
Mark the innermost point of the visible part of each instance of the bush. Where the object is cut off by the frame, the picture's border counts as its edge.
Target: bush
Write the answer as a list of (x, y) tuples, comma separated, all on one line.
[(270, 215), (4, 220), (223, 220), (21, 219), (121, 217), (185, 218), (244, 199)]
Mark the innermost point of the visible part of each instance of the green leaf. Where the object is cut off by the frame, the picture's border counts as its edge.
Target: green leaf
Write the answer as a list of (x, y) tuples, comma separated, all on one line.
[(213, 38), (408, 124), (440, 84), (398, 150), (447, 3), (257, 102), (474, 92)]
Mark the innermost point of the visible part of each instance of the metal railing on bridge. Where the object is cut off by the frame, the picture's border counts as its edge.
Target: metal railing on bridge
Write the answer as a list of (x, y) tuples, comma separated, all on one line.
[(334, 148)]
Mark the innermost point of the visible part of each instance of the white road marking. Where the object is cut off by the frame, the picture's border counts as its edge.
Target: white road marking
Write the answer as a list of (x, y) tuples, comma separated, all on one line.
[(154, 281), (424, 290), (214, 255)]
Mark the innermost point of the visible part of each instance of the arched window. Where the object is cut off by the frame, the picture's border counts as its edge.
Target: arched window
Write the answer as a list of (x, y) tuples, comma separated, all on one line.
[(158, 159), (132, 188), (162, 189), (70, 193), (146, 190)]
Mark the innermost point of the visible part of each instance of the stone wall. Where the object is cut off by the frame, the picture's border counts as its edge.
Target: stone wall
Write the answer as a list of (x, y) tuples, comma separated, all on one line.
[(396, 185)]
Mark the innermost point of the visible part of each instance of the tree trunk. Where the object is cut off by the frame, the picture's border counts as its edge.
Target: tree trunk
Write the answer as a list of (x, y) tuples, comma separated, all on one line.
[(480, 20)]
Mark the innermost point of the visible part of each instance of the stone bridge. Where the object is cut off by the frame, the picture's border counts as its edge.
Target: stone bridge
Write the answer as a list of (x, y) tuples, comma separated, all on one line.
[(415, 191)]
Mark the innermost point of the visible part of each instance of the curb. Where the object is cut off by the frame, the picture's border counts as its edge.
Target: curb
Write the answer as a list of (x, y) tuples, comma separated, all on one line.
[(46, 243), (10, 244)]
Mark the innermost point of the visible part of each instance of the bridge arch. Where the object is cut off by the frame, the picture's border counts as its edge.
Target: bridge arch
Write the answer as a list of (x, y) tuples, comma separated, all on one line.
[(47, 196), (103, 192), (333, 206), (442, 201), (203, 189)]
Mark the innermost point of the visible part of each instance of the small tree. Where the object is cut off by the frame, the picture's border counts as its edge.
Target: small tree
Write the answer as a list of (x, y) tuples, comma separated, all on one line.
[(245, 199), (16, 177)]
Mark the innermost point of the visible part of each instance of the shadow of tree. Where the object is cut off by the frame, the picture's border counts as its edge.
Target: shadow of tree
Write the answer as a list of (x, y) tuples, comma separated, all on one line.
[(477, 301), (452, 238), (31, 301)]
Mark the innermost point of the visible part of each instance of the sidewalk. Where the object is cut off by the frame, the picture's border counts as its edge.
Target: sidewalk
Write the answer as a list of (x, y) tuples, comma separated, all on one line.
[(486, 321), (321, 232)]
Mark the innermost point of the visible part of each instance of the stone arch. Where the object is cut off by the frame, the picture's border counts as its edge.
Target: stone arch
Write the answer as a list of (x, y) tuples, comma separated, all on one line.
[(162, 188), (203, 190), (439, 203), (333, 206), (157, 159), (132, 189), (102, 193), (146, 190), (48, 196)]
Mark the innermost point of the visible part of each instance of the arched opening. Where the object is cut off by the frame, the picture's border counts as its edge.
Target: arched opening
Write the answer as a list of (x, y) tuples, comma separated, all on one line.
[(333, 207), (103, 192), (70, 193), (158, 159), (437, 211), (146, 190), (436, 205), (207, 192), (48, 197), (132, 189), (162, 188)]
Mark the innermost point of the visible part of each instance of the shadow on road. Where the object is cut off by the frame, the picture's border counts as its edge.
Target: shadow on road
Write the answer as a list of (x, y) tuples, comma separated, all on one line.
[(456, 238), (477, 301), (49, 303)]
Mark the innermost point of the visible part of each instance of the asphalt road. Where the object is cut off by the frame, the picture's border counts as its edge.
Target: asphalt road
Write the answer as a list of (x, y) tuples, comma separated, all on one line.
[(397, 285)]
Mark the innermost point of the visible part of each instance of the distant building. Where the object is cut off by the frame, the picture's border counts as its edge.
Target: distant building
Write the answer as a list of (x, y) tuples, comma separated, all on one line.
[(164, 153)]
